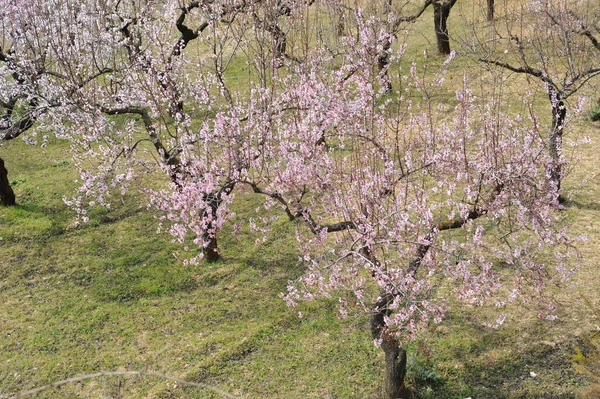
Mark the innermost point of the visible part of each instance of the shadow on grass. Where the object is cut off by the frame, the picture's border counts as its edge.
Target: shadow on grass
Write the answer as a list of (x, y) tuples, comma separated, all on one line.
[(590, 206), (484, 367), (278, 255), (29, 221)]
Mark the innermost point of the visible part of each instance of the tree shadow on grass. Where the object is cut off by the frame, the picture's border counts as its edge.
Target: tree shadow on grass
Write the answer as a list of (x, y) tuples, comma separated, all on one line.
[(590, 206), (275, 256), (490, 366)]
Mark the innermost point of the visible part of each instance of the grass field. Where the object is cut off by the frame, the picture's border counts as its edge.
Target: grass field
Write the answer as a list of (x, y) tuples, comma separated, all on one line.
[(111, 295)]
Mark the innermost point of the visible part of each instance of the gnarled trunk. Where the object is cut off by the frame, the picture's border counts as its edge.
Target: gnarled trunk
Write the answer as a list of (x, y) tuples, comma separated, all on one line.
[(211, 249), (395, 356), (7, 195)]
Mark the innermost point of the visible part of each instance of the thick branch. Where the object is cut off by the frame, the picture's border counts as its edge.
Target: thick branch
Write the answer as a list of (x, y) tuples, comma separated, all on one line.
[(585, 31), (149, 125), (133, 46), (314, 227), (187, 34), (526, 69), (449, 224), (410, 18), (460, 222), (594, 41), (277, 197), (3, 56), (16, 129)]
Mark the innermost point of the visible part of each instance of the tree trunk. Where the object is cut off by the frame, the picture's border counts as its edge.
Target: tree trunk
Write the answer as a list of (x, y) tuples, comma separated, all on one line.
[(383, 58), (441, 12), (383, 63), (395, 357), (280, 45), (211, 251), (7, 195), (278, 35), (395, 370), (559, 113), (490, 10)]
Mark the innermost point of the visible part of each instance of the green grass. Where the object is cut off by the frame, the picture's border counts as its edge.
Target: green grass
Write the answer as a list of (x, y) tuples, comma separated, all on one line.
[(111, 295)]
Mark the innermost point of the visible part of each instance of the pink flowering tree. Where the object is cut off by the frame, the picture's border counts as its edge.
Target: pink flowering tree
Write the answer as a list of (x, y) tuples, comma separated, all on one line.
[(403, 206), (400, 203), (142, 87), (22, 68), (557, 43)]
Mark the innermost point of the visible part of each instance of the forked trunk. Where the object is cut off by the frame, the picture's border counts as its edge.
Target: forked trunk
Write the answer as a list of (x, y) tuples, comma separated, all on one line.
[(395, 357), (7, 195)]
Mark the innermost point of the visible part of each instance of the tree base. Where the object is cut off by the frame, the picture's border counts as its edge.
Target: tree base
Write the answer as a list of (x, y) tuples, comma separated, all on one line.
[(211, 251), (7, 195)]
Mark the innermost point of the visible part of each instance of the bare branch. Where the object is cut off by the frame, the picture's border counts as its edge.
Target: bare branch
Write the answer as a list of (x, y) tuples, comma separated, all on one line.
[(449, 224), (14, 130), (410, 18), (167, 157), (277, 197), (316, 228), (523, 69), (592, 38)]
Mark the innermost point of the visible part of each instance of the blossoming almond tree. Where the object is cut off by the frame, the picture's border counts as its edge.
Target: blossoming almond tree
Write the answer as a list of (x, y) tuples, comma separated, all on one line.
[(400, 205), (20, 105), (121, 81), (557, 43), (403, 206)]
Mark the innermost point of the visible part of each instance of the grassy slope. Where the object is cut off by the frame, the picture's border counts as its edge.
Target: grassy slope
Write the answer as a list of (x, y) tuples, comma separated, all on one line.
[(111, 296)]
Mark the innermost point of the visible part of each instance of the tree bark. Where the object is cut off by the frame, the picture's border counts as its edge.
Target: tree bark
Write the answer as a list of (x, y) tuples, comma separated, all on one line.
[(559, 113), (383, 63), (441, 12), (395, 356), (395, 370), (7, 195), (271, 24), (211, 251), (490, 10)]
